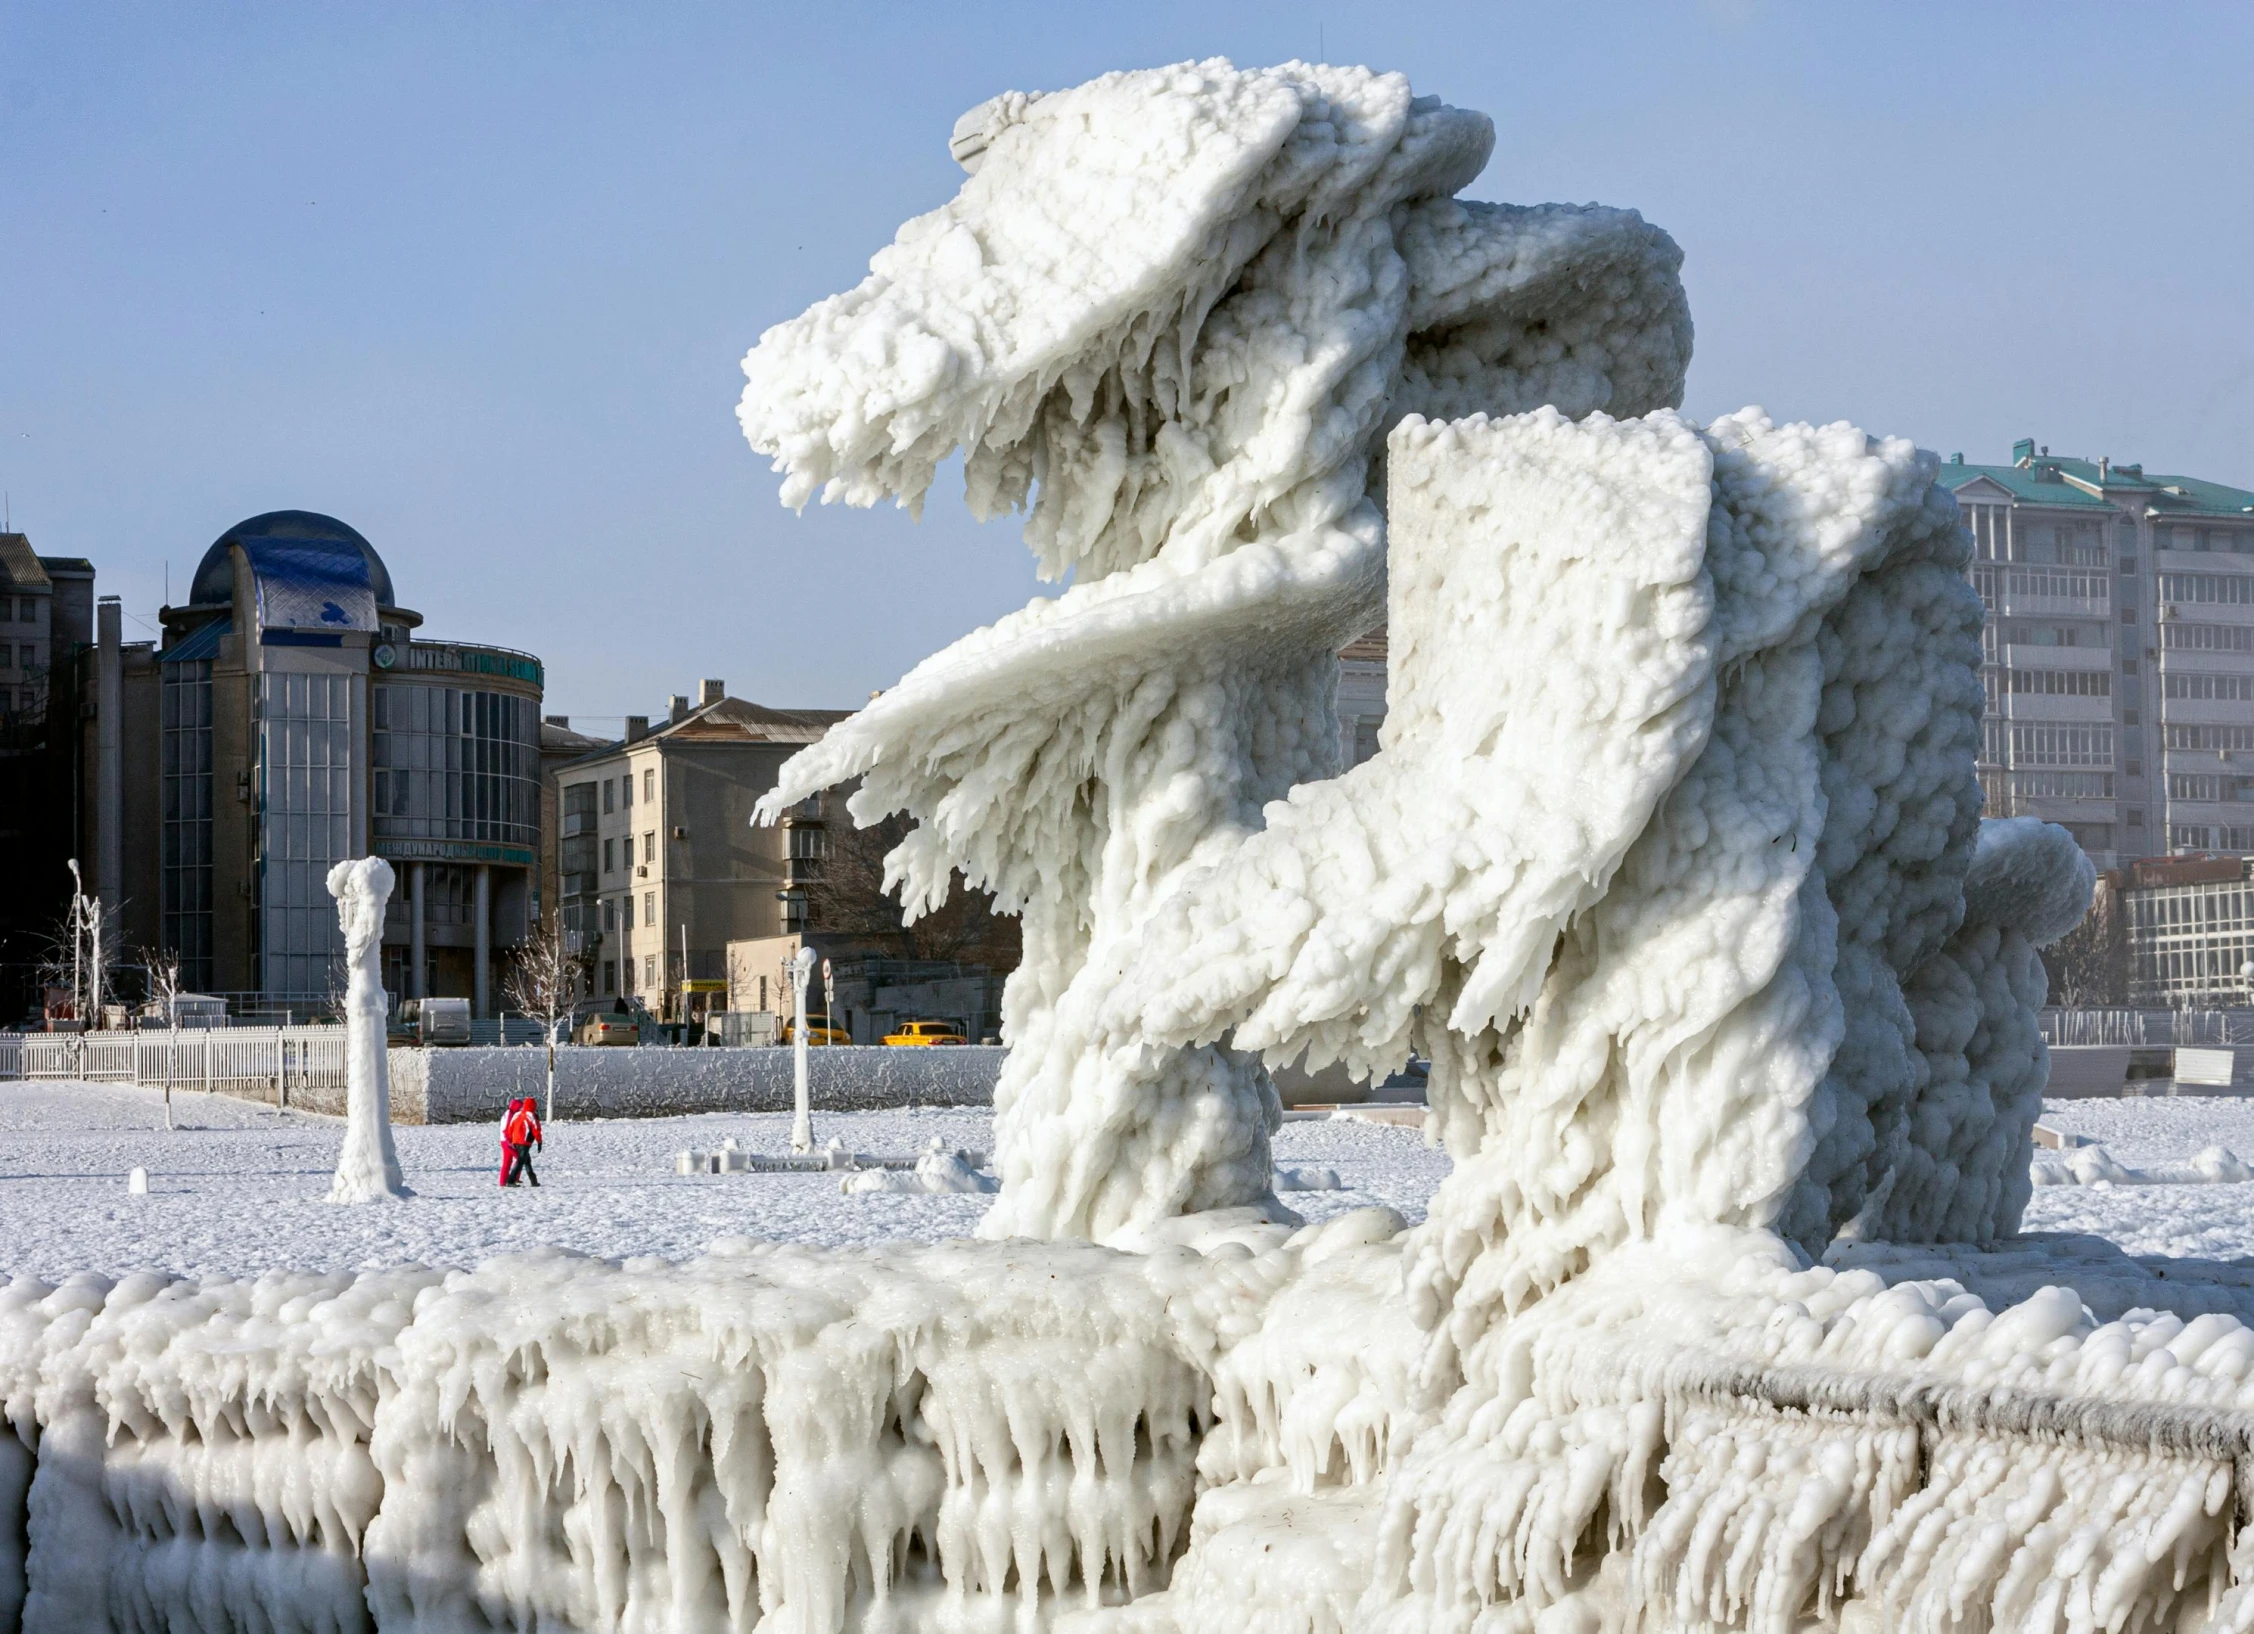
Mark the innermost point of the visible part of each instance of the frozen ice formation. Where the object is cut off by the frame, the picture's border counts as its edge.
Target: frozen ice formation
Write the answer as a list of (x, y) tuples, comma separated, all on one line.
[(2094, 1166), (1705, 1432), (937, 1170), (368, 1166), (1670, 860), (1173, 314)]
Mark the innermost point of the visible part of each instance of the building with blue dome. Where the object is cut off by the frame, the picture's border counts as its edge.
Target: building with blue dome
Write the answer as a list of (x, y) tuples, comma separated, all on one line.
[(301, 720)]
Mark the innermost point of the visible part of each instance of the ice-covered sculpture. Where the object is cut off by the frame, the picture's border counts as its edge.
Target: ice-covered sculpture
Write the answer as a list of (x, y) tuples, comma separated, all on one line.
[(1670, 858), (1173, 312), (368, 1166)]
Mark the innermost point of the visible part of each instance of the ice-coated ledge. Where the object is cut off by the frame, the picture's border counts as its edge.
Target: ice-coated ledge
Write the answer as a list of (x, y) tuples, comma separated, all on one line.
[(470, 1085)]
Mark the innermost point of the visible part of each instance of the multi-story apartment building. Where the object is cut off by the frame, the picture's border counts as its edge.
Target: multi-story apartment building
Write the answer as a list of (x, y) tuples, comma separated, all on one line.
[(2118, 652), (661, 867)]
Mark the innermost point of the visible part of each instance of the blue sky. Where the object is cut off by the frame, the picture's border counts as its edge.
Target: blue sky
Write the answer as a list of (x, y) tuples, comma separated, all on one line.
[(476, 277)]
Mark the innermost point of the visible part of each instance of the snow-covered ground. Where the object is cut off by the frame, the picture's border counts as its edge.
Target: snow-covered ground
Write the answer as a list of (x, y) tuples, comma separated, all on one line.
[(2181, 1221), (238, 1188)]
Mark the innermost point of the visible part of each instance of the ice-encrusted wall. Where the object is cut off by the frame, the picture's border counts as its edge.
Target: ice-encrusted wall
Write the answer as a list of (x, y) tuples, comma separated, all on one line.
[(1702, 1432)]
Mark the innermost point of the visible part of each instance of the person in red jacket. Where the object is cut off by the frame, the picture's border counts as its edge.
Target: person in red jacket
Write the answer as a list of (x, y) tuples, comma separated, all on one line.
[(520, 1133)]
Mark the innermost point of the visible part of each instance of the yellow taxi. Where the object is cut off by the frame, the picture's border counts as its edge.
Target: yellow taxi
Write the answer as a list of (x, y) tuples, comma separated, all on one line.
[(818, 1033), (926, 1032)]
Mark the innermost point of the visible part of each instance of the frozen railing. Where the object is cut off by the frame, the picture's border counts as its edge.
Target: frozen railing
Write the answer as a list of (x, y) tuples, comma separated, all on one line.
[(2149, 1028), (266, 1062)]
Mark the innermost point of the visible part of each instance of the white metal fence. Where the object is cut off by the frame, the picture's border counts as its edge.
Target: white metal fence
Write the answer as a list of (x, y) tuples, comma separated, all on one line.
[(264, 1062), (2213, 1029)]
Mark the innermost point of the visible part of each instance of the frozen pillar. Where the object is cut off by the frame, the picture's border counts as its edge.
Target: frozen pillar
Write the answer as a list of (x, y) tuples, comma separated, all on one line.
[(415, 943), (481, 915), (109, 762), (368, 1165)]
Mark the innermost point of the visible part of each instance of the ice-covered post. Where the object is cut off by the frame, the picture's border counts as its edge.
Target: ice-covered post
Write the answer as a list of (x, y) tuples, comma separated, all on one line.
[(368, 1167), (802, 1122)]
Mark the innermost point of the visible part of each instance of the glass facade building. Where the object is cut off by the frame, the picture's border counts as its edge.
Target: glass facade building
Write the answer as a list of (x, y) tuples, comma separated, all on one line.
[(456, 765), (303, 723)]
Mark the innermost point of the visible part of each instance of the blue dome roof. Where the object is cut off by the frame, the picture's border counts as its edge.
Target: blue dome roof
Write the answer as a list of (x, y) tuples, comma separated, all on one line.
[(305, 532)]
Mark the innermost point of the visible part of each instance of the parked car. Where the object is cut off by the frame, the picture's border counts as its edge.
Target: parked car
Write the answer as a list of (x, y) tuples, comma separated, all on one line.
[(927, 1032), (431, 1022), (818, 1032), (608, 1027)]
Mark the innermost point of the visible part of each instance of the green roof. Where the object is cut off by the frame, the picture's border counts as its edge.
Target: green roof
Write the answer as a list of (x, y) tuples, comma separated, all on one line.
[(2194, 495), (2044, 482), (2023, 485)]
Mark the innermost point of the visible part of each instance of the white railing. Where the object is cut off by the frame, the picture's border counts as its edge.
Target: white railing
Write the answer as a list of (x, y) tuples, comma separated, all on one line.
[(267, 1063), (2149, 1028)]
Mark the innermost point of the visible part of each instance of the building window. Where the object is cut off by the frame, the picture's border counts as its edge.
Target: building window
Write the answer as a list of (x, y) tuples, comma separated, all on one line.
[(626, 911), (649, 972), (2182, 637), (610, 975), (456, 765), (306, 766), (2222, 688), (649, 907), (649, 783), (626, 791), (2066, 683), (607, 793), (610, 856), (2061, 745), (649, 845), (185, 729), (2211, 739), (2220, 589), (610, 915)]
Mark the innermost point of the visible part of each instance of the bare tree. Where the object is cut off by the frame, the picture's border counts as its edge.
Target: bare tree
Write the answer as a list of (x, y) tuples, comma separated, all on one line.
[(851, 900), (2089, 966), (76, 961), (544, 981), (161, 972)]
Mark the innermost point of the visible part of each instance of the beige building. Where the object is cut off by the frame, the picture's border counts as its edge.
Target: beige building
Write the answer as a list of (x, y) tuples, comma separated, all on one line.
[(660, 865)]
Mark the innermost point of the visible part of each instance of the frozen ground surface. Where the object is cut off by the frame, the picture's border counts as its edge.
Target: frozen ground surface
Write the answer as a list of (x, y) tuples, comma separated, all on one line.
[(2197, 1222), (238, 1188)]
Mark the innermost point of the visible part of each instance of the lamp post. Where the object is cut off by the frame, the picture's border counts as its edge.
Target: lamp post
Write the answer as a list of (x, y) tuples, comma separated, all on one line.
[(801, 1123)]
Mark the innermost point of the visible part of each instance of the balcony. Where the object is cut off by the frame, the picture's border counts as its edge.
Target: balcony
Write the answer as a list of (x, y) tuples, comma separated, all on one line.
[(2044, 592)]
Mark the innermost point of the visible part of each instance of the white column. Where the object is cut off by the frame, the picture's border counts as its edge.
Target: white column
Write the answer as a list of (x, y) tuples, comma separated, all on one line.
[(482, 916)]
